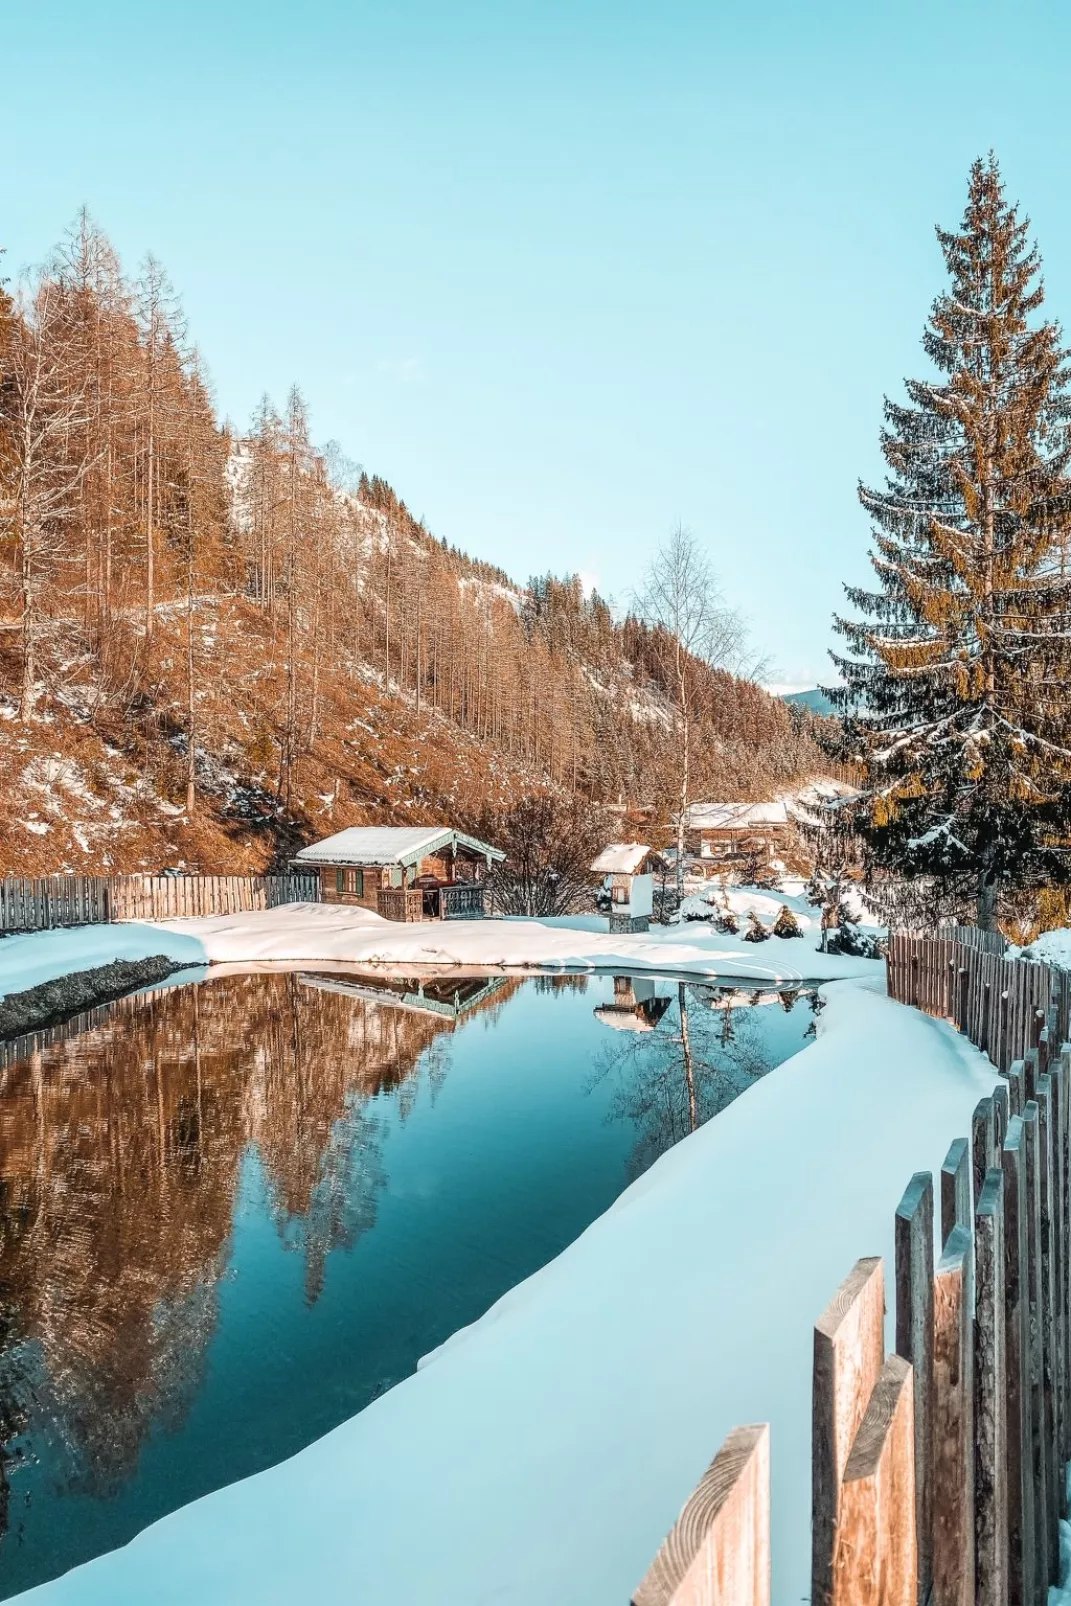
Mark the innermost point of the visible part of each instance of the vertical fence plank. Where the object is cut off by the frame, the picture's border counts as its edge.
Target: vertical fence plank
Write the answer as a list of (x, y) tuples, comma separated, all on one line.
[(914, 1342), (956, 1200), (953, 1430), (1047, 1266), (718, 1551), (1020, 1483), (876, 1547), (990, 1398), (849, 1348), (1039, 1427)]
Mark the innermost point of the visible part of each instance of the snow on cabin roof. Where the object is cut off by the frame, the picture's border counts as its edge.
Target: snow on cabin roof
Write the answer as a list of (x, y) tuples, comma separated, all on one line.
[(624, 1020), (728, 816), (389, 844), (621, 858)]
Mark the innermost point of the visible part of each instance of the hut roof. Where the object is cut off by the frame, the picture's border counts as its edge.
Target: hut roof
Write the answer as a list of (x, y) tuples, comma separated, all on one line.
[(390, 844)]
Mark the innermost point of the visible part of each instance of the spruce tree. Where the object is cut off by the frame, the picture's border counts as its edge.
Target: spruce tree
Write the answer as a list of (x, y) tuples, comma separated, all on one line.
[(957, 689)]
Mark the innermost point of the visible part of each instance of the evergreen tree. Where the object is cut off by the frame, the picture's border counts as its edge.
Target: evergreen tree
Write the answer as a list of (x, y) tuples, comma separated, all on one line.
[(957, 690)]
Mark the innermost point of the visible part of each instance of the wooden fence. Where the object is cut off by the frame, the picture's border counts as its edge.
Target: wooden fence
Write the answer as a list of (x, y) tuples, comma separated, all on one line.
[(1002, 1005), (938, 1471), (50, 901)]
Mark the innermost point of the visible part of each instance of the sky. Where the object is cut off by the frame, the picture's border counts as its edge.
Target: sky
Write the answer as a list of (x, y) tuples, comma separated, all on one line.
[(567, 274)]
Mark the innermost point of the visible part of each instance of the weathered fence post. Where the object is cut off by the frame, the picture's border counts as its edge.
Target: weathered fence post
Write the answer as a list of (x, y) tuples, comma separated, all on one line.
[(876, 1552), (1021, 1572), (953, 1431), (1049, 1330), (718, 1551), (1039, 1425), (956, 1201), (914, 1342), (849, 1351), (990, 1395)]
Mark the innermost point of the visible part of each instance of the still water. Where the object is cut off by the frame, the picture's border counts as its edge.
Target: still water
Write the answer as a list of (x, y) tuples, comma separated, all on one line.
[(237, 1210)]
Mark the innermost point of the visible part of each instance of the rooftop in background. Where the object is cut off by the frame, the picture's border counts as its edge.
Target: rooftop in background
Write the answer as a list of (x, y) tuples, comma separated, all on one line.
[(390, 844), (729, 816), (621, 858)]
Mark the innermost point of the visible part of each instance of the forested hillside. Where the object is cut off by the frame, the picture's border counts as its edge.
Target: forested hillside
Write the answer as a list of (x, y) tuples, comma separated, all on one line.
[(215, 644)]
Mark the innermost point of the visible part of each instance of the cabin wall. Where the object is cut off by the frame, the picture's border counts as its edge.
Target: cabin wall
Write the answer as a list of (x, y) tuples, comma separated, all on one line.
[(360, 886)]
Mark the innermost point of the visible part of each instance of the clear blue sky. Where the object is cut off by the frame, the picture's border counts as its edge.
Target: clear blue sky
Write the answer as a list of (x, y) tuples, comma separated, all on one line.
[(565, 273)]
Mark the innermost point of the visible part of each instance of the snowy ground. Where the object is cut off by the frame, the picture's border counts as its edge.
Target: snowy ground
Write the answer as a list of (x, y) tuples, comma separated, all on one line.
[(541, 1454), (306, 933)]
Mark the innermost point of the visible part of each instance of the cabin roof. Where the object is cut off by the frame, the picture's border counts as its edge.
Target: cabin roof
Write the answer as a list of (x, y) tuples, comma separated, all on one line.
[(621, 858), (735, 816), (390, 844)]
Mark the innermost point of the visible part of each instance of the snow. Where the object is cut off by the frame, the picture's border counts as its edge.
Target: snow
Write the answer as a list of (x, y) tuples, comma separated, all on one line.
[(334, 933), (542, 1453), (386, 844), (1052, 948), (723, 816), (621, 858)]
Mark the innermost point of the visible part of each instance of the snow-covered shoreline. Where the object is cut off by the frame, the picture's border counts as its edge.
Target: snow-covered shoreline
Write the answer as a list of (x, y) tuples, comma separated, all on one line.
[(343, 934), (542, 1453)]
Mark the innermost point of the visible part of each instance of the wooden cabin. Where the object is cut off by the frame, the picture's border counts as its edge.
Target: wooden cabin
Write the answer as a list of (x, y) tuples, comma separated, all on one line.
[(627, 869), (725, 831), (403, 872)]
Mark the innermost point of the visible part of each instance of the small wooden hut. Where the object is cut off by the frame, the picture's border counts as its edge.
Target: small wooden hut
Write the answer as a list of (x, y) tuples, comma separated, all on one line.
[(407, 872), (627, 869), (737, 830)]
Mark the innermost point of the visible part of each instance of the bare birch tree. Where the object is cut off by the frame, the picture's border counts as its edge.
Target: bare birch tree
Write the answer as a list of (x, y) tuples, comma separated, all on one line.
[(693, 625)]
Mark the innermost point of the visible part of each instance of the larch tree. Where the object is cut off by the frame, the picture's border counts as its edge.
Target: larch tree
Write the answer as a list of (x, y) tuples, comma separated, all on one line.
[(957, 683), (692, 627)]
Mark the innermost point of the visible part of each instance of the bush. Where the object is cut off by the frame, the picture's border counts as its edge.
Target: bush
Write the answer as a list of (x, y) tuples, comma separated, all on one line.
[(756, 931), (849, 940), (786, 924), (726, 921)]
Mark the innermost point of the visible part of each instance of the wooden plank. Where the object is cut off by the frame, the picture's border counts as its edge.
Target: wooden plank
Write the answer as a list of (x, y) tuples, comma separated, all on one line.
[(990, 1394), (999, 1096), (718, 1551), (1050, 1380), (982, 1143), (1017, 1087), (1039, 1425), (953, 1428), (849, 1348), (957, 1206), (1020, 1484), (876, 1545), (914, 1342)]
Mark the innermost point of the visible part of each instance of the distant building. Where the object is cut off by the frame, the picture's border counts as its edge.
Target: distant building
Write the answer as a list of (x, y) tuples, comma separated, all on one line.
[(736, 830), (410, 872), (628, 870)]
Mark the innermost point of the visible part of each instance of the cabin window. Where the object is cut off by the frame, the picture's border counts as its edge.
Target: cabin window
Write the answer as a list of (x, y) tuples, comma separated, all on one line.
[(358, 882), (340, 880), (396, 875)]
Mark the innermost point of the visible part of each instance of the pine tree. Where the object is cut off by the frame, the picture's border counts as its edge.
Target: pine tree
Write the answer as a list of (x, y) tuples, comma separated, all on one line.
[(957, 693)]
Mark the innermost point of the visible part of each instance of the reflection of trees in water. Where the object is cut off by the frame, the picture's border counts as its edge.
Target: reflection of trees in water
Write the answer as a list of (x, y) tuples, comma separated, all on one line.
[(671, 1076), (121, 1155)]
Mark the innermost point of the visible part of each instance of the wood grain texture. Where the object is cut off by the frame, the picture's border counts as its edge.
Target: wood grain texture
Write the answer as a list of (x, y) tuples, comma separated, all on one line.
[(1020, 1483), (957, 1204), (914, 1342), (876, 1548), (1050, 1382), (990, 1397), (953, 1426), (849, 1348), (1039, 1425), (718, 1551)]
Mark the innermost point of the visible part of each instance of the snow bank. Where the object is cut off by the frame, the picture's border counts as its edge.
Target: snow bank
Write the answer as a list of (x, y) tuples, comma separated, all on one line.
[(1052, 948), (304, 933), (542, 1454), (42, 956)]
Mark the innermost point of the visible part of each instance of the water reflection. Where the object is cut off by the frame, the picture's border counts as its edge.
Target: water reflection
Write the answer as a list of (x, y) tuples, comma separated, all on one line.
[(233, 1212), (670, 1076)]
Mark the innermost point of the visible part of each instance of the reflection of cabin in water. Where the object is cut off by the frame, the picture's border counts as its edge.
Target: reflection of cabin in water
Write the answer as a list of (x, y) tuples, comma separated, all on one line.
[(450, 997), (627, 869), (636, 1006), (410, 872)]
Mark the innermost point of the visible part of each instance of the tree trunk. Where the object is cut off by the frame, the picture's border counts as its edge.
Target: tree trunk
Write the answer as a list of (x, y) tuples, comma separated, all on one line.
[(685, 756), (689, 1068)]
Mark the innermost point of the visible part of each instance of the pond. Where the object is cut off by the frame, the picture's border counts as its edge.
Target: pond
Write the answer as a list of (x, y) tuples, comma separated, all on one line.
[(234, 1211)]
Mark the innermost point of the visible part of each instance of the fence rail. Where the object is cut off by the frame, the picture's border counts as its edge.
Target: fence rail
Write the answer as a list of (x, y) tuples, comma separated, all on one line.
[(47, 902), (938, 1471)]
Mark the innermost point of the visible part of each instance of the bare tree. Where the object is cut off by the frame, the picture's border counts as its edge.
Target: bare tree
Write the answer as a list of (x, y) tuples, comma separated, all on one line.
[(693, 627), (40, 416)]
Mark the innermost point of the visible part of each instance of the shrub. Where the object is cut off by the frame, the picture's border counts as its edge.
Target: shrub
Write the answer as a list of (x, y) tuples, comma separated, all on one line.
[(726, 921), (756, 931), (786, 924)]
